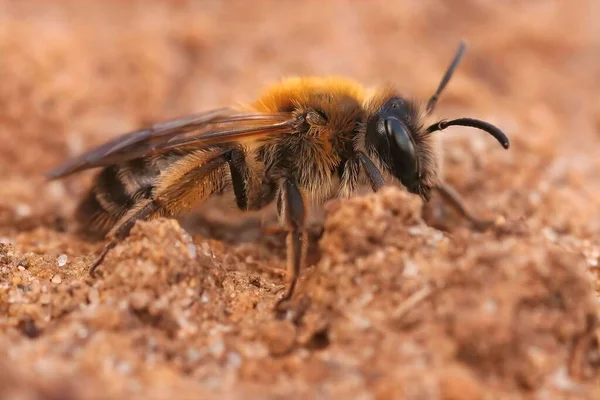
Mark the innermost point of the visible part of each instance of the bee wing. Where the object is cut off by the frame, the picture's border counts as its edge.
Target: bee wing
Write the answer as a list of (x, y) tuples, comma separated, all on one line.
[(191, 132)]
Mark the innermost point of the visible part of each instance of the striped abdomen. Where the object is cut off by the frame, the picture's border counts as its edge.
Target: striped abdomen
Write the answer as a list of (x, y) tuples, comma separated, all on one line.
[(117, 189)]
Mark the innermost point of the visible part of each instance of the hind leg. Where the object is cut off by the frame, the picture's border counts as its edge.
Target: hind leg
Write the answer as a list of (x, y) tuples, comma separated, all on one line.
[(181, 186), (150, 209)]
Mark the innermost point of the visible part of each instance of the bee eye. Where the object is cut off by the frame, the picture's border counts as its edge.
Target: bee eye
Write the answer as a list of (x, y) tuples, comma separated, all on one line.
[(397, 130)]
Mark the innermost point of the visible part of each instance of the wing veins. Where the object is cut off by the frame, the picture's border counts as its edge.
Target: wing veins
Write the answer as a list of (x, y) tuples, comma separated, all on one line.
[(164, 136)]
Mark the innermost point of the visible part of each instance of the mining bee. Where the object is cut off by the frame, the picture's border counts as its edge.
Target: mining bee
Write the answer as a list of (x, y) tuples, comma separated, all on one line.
[(303, 139)]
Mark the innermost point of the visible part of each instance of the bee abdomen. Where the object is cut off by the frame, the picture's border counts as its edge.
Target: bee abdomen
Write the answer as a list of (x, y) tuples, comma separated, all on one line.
[(115, 191)]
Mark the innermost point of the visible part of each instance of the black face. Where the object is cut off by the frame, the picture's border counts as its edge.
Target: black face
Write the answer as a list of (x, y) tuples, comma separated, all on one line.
[(390, 134)]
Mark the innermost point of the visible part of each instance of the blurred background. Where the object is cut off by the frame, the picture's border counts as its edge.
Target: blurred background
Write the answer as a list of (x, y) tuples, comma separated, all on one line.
[(74, 74)]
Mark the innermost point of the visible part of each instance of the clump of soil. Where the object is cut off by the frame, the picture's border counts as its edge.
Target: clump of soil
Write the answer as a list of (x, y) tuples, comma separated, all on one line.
[(393, 308), (399, 300)]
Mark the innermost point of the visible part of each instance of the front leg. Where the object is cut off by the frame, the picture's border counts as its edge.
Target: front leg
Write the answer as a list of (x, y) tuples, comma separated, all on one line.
[(292, 212), (451, 196), (448, 193), (375, 178)]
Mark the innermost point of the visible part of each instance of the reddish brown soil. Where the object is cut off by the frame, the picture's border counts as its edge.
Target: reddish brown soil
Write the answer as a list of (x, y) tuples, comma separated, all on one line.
[(390, 307)]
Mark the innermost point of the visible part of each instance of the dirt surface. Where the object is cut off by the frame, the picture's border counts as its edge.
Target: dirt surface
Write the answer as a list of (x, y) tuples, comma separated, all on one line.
[(390, 307)]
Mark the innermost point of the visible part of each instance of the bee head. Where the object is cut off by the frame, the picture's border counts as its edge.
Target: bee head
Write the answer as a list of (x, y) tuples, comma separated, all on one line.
[(396, 136)]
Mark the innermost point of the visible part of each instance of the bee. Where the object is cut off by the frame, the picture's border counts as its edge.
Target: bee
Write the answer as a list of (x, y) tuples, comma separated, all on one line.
[(303, 139)]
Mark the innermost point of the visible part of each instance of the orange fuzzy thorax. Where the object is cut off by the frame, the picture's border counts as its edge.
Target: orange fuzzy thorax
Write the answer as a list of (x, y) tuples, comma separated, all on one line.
[(290, 92)]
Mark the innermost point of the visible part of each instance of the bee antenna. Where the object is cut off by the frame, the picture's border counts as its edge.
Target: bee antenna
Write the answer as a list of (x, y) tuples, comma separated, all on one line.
[(449, 72), (473, 123)]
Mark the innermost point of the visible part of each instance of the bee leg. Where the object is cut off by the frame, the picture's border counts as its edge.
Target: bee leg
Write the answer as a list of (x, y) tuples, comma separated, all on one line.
[(292, 208), (375, 177), (101, 257), (450, 195), (248, 197), (250, 194), (123, 231), (239, 176)]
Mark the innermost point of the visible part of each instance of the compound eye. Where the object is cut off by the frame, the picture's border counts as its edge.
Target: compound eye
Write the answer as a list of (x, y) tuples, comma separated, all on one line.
[(397, 130)]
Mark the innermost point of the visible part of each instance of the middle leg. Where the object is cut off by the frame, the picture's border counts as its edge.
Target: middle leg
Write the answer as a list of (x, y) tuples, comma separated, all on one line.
[(252, 190), (292, 210)]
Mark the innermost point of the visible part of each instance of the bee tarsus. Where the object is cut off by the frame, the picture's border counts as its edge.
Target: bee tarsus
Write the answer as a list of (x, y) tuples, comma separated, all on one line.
[(451, 196)]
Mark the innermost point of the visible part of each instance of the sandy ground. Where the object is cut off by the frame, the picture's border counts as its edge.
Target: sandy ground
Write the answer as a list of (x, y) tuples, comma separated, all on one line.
[(390, 307)]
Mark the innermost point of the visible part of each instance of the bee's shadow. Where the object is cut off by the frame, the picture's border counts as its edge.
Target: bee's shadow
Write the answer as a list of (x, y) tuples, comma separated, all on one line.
[(218, 219)]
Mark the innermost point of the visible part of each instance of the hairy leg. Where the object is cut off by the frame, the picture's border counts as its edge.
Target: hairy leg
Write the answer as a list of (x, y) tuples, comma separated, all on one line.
[(146, 211), (188, 182)]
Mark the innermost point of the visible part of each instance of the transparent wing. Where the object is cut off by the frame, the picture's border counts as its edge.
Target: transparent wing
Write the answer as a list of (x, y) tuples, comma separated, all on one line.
[(191, 132)]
